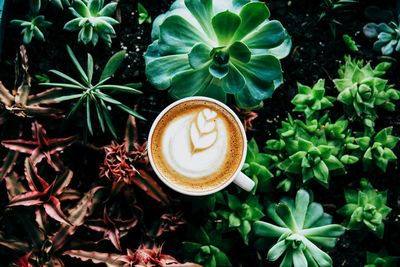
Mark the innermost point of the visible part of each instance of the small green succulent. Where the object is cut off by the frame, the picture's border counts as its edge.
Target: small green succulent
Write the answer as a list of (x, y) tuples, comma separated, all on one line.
[(301, 227), (143, 14), (93, 20), (362, 90), (365, 208), (32, 28), (381, 260), (311, 100), (214, 48), (238, 215), (388, 36), (205, 251), (378, 150), (350, 43), (258, 167), (92, 95)]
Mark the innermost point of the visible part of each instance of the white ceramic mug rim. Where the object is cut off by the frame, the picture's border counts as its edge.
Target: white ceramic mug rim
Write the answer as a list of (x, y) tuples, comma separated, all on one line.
[(172, 185)]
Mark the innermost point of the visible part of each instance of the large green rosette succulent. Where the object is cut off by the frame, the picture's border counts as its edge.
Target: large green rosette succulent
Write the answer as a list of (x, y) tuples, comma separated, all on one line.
[(214, 48)]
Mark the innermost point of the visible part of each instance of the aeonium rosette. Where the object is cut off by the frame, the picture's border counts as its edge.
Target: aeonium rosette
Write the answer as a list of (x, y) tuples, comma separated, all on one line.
[(214, 48)]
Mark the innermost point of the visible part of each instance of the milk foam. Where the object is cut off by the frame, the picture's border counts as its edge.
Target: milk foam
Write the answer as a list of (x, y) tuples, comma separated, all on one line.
[(195, 145)]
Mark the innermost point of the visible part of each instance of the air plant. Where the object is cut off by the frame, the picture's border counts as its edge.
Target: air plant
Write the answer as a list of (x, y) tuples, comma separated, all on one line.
[(91, 95), (93, 21), (301, 227), (214, 48)]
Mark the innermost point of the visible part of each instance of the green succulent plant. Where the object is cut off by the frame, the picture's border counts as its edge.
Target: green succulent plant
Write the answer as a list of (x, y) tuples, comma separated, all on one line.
[(377, 151), (311, 100), (32, 28), (92, 95), (204, 251), (388, 36), (301, 227), (365, 208), (362, 90), (93, 20), (215, 48), (258, 167), (381, 260), (238, 215), (143, 14), (312, 149)]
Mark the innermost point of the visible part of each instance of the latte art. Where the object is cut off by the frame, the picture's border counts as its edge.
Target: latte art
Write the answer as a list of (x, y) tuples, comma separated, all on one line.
[(197, 145)]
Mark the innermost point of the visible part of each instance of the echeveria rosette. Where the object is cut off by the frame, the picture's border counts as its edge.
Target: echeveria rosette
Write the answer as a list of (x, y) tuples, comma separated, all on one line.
[(388, 36), (381, 259), (362, 90), (311, 100), (214, 48), (32, 28), (366, 208), (302, 228), (239, 215), (93, 20)]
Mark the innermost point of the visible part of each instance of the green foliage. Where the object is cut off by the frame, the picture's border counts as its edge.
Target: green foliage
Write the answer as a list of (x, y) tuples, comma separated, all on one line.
[(362, 91), (301, 227), (311, 100), (258, 165), (32, 28), (381, 260), (350, 43), (91, 95), (365, 208), (388, 36), (93, 20), (312, 149), (378, 150), (215, 48), (143, 14), (238, 215), (204, 251)]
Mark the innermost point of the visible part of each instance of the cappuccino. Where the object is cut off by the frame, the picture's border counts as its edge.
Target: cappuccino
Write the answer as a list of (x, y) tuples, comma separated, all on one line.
[(197, 146)]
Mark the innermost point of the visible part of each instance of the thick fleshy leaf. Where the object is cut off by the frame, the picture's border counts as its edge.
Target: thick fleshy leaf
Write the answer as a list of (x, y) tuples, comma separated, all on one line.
[(151, 187), (111, 260), (252, 15), (225, 25), (246, 101), (277, 250), (35, 182), (234, 81), (113, 64), (199, 56), (214, 90), (299, 260), (27, 199), (270, 35), (53, 209), (240, 51), (8, 164), (269, 230), (188, 83), (218, 71), (314, 212), (178, 36), (320, 256), (285, 214), (13, 244), (170, 66), (302, 201), (202, 10)]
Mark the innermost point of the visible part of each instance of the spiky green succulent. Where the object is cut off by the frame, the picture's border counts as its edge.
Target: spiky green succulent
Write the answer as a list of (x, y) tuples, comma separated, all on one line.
[(311, 100), (32, 28), (93, 21), (366, 208), (214, 48), (302, 228), (363, 91)]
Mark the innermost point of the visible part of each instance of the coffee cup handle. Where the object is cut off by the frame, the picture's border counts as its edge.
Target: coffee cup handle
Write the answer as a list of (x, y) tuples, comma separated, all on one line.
[(244, 182)]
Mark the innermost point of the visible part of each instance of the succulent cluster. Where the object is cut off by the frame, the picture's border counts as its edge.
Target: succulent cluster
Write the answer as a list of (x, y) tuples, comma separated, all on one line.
[(214, 48), (366, 208), (301, 227), (363, 91), (387, 35)]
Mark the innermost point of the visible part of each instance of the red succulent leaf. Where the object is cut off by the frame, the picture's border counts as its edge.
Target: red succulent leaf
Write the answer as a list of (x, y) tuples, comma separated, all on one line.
[(132, 144), (248, 117), (41, 147), (53, 209), (8, 164), (24, 261), (70, 194), (147, 183), (111, 260), (170, 222), (14, 185), (35, 182), (77, 216), (27, 199), (13, 244)]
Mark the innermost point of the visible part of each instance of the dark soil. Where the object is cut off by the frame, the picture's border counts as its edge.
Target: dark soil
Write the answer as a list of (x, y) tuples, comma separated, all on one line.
[(315, 54)]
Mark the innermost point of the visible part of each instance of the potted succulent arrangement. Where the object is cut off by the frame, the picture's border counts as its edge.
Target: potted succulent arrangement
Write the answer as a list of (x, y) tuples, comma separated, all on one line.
[(189, 133)]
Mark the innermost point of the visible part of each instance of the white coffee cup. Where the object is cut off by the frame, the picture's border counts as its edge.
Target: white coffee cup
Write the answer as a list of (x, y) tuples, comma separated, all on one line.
[(238, 177)]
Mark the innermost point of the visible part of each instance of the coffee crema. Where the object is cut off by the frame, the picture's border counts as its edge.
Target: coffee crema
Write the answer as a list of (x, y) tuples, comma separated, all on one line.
[(197, 146)]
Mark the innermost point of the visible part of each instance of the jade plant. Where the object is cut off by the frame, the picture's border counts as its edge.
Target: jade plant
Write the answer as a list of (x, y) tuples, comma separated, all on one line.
[(381, 259), (93, 20), (311, 100), (387, 35), (238, 215), (378, 150), (92, 95), (363, 91), (366, 209), (215, 48), (301, 228)]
